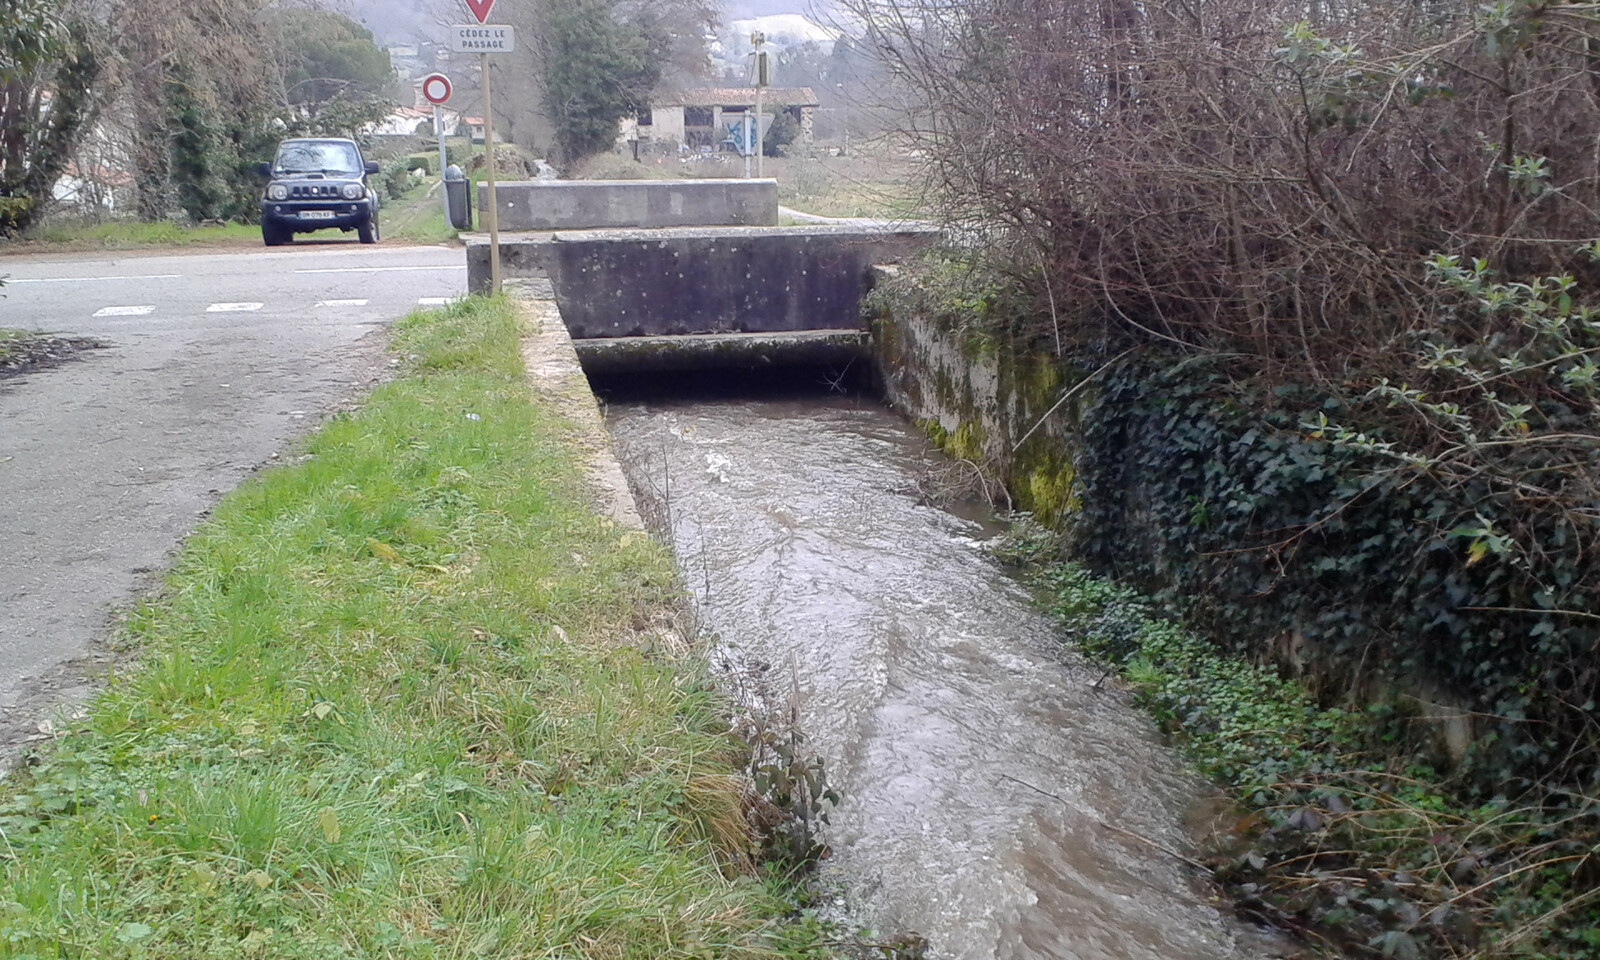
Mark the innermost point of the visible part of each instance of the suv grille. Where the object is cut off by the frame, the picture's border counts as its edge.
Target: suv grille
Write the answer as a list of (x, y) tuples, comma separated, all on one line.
[(313, 191)]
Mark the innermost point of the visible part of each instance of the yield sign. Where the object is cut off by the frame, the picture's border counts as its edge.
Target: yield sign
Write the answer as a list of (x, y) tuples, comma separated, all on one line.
[(480, 9)]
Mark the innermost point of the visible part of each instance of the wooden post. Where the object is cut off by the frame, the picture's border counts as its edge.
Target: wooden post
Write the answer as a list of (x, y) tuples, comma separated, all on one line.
[(493, 211)]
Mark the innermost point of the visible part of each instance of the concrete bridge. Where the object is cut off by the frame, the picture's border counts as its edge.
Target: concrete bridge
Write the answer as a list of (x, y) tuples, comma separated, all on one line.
[(669, 295)]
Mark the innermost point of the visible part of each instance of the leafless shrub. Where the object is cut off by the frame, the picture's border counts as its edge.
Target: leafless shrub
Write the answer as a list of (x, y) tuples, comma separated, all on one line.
[(1256, 176)]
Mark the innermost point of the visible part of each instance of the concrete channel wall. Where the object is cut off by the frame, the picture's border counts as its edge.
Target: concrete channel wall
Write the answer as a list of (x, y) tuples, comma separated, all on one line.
[(986, 403), (621, 204), (654, 283)]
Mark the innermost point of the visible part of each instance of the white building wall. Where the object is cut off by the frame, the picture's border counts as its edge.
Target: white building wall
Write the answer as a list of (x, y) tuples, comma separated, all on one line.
[(668, 124)]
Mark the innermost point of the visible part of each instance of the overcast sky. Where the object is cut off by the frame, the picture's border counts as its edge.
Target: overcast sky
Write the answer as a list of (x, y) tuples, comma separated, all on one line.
[(763, 8), (398, 21)]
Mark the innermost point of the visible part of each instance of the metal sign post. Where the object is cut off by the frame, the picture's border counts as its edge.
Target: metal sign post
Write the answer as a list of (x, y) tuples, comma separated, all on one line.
[(484, 38), (436, 88), (761, 75), (444, 160)]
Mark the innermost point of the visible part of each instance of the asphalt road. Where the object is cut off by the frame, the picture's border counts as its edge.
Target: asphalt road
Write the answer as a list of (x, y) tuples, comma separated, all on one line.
[(214, 361)]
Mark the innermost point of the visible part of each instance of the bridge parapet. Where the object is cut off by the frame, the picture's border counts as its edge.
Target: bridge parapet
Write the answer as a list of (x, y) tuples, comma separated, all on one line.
[(704, 297), (652, 283), (619, 204)]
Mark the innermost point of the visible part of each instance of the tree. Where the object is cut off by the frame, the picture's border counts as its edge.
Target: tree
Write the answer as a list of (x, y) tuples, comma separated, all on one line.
[(595, 62), (213, 84), (199, 81), (597, 69), (805, 65), (47, 69), (330, 66)]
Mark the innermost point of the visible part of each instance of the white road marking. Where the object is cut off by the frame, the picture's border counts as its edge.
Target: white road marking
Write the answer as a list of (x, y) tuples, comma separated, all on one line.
[(154, 276), (342, 303), (124, 311), (461, 266), (233, 307), (437, 301)]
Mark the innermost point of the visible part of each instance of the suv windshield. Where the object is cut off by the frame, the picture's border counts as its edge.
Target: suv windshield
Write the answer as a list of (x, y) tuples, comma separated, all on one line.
[(318, 156)]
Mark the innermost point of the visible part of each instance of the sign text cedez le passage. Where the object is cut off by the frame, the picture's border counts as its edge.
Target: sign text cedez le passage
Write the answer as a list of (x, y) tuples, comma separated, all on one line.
[(484, 38)]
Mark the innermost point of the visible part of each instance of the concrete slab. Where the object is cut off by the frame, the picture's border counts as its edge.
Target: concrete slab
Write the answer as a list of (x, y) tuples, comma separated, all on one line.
[(590, 204), (629, 283)]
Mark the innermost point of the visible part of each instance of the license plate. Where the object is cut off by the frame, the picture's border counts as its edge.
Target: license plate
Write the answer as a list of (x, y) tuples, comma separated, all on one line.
[(316, 214)]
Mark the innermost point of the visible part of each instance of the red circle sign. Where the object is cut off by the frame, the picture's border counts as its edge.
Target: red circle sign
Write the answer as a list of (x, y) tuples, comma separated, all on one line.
[(436, 87)]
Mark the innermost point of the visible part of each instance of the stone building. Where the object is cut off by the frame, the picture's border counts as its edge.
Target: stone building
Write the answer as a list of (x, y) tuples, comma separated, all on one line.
[(699, 119)]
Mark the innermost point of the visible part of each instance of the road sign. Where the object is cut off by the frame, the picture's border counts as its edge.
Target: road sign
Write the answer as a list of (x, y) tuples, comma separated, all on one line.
[(483, 38), (436, 88), (480, 9)]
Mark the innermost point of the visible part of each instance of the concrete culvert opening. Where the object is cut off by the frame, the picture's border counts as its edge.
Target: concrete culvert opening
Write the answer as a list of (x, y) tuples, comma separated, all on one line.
[(786, 382)]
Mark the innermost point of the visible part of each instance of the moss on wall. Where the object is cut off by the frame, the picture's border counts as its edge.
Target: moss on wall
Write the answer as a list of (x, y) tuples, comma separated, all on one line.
[(976, 396), (1045, 484), (965, 442)]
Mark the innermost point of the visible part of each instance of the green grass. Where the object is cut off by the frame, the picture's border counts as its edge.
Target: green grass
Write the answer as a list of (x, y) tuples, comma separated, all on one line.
[(392, 703), (414, 218), (129, 234), (417, 217), (10, 339), (873, 182)]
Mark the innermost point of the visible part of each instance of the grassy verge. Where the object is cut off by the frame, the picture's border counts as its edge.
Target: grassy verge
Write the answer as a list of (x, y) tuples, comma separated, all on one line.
[(1338, 837), (875, 181), (418, 218), (130, 234), (414, 218), (392, 703)]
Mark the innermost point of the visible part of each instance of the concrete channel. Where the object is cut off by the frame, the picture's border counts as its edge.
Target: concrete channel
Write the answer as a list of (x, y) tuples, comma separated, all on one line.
[(990, 787)]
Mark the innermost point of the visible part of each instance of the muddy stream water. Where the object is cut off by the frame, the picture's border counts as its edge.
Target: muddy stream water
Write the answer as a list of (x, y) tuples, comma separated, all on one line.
[(995, 800)]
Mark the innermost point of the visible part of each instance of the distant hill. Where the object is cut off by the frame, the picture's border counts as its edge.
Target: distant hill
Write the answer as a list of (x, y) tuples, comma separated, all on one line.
[(787, 29), (399, 21), (816, 10)]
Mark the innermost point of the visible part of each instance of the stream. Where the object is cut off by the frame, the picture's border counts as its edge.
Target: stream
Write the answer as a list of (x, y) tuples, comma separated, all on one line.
[(996, 799)]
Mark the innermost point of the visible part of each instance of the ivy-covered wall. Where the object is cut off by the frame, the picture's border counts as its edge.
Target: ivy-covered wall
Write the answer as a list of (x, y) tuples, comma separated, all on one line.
[(1377, 588)]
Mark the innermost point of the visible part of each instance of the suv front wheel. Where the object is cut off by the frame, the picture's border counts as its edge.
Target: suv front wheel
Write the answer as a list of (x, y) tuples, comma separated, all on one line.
[(369, 231), (275, 235)]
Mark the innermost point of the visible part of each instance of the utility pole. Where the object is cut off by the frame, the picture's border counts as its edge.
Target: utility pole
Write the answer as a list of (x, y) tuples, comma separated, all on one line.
[(761, 75)]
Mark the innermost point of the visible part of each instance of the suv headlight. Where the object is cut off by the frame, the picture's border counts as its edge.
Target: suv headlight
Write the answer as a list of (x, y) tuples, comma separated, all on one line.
[(353, 191), (277, 192)]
